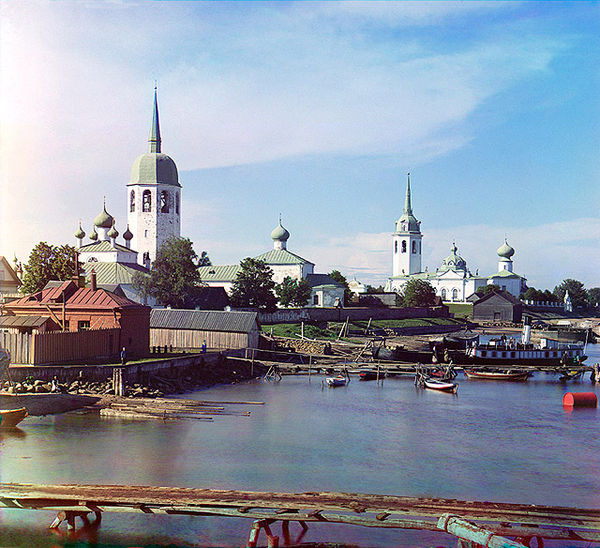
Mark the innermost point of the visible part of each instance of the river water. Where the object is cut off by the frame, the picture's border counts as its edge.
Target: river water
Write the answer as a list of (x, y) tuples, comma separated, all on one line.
[(496, 441)]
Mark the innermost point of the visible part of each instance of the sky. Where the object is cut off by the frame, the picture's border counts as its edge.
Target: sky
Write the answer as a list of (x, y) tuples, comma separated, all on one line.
[(315, 111)]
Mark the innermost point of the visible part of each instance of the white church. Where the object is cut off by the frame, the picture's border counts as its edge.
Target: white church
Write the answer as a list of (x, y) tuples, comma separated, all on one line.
[(154, 216), (452, 281)]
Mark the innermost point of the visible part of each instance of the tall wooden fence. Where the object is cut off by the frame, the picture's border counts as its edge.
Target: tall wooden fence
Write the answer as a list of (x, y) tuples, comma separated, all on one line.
[(193, 339), (59, 347)]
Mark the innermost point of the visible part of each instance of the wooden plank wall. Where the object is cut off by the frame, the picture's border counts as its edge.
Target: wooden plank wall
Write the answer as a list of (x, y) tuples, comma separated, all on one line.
[(189, 339), (19, 345), (59, 347)]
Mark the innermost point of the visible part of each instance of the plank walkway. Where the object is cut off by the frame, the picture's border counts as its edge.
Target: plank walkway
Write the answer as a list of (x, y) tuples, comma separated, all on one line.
[(517, 520)]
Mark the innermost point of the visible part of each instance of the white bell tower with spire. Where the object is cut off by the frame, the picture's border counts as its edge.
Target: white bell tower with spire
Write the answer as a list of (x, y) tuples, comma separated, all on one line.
[(153, 197), (406, 241)]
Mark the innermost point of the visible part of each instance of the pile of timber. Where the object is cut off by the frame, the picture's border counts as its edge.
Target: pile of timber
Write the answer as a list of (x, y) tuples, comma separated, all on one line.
[(171, 409)]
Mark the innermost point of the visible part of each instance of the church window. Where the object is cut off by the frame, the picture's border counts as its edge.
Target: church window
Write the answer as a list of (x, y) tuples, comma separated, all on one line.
[(414, 247), (455, 294), (164, 202), (443, 294), (132, 201), (316, 299), (403, 246), (396, 247), (177, 203), (146, 201)]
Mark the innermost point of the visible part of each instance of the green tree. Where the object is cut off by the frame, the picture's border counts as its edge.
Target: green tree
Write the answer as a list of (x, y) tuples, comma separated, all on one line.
[(341, 279), (174, 277), (594, 296), (418, 293), (293, 292), (487, 289), (576, 291), (48, 262), (253, 286)]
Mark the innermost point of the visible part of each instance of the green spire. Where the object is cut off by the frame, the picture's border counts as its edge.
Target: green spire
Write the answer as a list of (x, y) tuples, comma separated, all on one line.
[(407, 206), (154, 139)]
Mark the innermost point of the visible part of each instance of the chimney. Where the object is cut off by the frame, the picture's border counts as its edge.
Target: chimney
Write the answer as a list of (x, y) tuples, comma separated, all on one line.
[(93, 280)]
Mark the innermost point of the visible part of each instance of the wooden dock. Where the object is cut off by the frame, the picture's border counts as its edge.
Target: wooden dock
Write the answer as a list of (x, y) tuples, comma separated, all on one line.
[(460, 518)]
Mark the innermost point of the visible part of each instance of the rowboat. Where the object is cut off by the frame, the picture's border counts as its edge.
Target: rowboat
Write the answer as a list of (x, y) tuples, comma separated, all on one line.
[(443, 386), (368, 375), (9, 418), (491, 375), (340, 380)]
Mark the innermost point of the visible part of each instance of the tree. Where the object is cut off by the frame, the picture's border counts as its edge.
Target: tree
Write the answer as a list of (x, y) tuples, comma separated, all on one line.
[(576, 291), (594, 296), (341, 279), (253, 286), (293, 292), (418, 293), (174, 277), (487, 289), (48, 262)]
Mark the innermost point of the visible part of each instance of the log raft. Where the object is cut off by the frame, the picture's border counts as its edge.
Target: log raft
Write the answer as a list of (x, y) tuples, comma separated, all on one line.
[(524, 521)]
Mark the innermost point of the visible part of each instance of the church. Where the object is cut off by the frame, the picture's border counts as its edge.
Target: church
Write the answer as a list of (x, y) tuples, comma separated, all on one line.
[(452, 281), (154, 216)]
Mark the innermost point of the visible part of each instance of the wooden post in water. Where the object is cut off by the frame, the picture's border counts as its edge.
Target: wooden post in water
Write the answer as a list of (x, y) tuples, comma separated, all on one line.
[(377, 373), (309, 366)]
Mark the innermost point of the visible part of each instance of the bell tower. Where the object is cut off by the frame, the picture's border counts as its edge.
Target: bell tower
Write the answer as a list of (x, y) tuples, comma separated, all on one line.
[(406, 241)]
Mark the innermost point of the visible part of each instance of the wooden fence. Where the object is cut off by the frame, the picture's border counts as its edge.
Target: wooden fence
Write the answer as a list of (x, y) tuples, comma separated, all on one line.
[(59, 347), (191, 338)]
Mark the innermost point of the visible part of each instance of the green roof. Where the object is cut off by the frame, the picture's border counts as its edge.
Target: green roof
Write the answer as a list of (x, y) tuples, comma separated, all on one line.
[(281, 256), (113, 273), (103, 245), (505, 274), (226, 273)]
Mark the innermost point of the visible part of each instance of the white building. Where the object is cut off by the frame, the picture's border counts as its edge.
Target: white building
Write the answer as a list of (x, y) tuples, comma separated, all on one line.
[(324, 290), (452, 281)]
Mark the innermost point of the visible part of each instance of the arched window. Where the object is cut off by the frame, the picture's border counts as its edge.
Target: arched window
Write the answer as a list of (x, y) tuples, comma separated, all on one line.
[(414, 247), (146, 201), (403, 246), (164, 202), (455, 294), (396, 246), (177, 203), (443, 294), (132, 201)]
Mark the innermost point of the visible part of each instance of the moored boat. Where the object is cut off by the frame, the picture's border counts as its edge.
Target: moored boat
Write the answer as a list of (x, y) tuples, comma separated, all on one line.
[(368, 375), (9, 418), (440, 385), (493, 375), (339, 380)]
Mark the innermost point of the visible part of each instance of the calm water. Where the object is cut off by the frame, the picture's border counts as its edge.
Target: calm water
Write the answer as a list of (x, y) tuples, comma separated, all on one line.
[(509, 442)]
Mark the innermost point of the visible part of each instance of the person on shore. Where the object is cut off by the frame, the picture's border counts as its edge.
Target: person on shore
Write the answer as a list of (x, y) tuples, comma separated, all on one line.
[(204, 347), (123, 356)]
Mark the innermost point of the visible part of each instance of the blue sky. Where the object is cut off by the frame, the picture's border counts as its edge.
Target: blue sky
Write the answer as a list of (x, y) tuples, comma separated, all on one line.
[(316, 111)]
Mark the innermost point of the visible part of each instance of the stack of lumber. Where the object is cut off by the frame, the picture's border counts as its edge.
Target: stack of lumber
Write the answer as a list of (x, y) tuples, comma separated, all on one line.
[(170, 409)]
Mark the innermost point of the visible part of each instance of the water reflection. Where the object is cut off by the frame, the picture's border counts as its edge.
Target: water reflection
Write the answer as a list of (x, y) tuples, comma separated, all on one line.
[(15, 432)]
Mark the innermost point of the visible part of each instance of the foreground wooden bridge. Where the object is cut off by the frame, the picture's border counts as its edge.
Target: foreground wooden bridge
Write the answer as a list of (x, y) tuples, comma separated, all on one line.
[(473, 523)]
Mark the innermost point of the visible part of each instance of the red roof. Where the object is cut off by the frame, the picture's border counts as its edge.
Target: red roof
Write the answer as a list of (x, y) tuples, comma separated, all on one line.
[(79, 297)]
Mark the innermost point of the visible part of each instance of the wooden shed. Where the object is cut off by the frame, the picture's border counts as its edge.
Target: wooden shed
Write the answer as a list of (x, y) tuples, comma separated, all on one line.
[(499, 306), (188, 329)]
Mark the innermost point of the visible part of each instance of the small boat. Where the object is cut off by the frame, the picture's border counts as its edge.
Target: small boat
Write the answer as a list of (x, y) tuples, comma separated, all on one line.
[(369, 375), (443, 386), (9, 418), (492, 375), (340, 380)]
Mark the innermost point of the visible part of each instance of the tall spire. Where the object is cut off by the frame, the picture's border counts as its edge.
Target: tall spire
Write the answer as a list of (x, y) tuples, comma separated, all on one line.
[(154, 139), (407, 206)]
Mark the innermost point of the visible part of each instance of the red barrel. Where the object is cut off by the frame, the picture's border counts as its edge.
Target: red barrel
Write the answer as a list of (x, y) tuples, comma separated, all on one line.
[(580, 399)]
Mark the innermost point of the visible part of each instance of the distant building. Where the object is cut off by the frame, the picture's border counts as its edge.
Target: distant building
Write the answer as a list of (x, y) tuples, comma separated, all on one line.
[(9, 278), (357, 287), (498, 306), (452, 281), (325, 291)]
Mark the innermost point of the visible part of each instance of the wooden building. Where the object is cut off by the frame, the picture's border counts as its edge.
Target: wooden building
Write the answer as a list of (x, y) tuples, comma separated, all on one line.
[(69, 307), (498, 306), (189, 329)]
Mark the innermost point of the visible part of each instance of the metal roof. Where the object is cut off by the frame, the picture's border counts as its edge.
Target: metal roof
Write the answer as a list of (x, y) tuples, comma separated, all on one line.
[(316, 280), (204, 320), (225, 273), (103, 245), (281, 256), (23, 321), (113, 273)]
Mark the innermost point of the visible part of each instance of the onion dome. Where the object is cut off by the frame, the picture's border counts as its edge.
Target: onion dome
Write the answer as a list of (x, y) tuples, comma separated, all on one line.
[(453, 261), (128, 235), (505, 250), (113, 232), (279, 233), (94, 234), (104, 219), (80, 233), (154, 167)]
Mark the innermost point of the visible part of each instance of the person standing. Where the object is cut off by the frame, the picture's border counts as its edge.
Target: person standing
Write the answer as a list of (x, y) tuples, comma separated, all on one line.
[(123, 356)]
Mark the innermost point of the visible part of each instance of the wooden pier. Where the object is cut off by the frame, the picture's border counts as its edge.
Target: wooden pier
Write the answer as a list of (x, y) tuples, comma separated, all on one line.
[(485, 523)]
